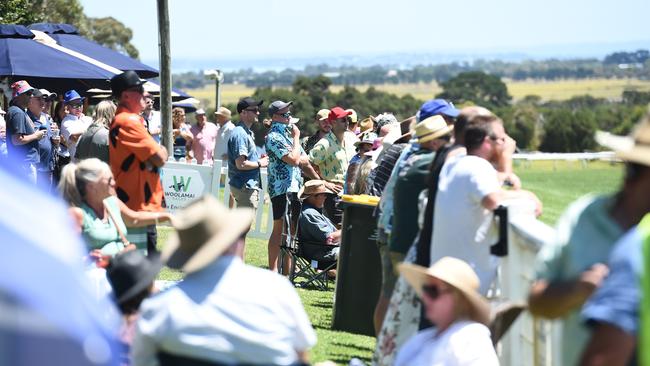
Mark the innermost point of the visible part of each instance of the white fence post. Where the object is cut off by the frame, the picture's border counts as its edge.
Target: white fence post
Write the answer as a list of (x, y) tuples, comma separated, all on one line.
[(529, 341)]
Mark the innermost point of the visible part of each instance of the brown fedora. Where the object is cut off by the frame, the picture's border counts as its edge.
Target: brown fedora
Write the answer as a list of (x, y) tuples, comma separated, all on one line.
[(204, 230), (311, 188)]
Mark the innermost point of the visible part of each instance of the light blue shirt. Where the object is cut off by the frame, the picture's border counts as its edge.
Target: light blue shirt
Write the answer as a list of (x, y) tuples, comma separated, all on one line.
[(227, 312), (617, 300), (242, 143), (585, 235)]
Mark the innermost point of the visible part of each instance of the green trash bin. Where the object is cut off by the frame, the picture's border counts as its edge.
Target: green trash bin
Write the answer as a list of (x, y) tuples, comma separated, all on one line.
[(358, 277)]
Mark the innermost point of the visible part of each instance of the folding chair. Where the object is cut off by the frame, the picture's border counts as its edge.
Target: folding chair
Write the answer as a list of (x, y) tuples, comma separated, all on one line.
[(302, 266)]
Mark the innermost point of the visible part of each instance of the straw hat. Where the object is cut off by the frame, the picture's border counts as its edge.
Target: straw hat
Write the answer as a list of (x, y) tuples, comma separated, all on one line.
[(311, 188), (432, 128), (204, 230), (367, 124), (634, 148), (455, 273)]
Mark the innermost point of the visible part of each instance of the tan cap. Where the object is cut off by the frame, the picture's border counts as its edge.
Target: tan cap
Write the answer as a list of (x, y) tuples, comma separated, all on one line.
[(223, 111)]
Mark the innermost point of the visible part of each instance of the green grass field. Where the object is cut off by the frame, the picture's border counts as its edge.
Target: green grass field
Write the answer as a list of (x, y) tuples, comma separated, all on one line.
[(547, 90), (557, 184)]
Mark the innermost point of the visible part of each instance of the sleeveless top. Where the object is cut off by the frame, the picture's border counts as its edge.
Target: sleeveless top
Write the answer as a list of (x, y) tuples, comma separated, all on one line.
[(102, 234)]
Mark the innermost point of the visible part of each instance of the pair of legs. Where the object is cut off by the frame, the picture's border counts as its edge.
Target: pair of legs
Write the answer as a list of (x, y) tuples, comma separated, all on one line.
[(388, 281), (281, 205), (245, 197)]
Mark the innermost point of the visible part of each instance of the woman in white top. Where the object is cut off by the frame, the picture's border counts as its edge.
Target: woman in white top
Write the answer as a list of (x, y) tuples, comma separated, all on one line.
[(449, 293)]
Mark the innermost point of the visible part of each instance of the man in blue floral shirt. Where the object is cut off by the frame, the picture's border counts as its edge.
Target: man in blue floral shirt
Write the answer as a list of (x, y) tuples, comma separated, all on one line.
[(286, 158)]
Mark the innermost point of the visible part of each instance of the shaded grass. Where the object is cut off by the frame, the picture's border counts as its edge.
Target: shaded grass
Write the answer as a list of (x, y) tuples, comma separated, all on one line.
[(557, 185)]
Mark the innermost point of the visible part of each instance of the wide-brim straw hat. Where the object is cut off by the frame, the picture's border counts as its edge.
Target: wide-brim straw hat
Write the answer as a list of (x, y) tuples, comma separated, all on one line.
[(455, 273), (311, 188), (432, 128), (204, 230), (634, 148)]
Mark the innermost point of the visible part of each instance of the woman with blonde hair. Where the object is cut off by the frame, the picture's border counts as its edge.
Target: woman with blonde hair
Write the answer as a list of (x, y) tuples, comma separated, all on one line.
[(182, 134), (460, 314), (94, 142), (89, 188)]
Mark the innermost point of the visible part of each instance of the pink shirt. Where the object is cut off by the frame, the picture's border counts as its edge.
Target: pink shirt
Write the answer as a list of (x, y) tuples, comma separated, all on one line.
[(203, 143)]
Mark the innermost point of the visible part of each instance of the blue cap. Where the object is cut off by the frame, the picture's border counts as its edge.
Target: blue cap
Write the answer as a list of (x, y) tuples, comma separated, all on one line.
[(71, 95), (437, 106)]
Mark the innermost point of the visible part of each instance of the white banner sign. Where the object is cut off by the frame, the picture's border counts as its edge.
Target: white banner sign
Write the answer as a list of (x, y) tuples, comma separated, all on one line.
[(182, 186)]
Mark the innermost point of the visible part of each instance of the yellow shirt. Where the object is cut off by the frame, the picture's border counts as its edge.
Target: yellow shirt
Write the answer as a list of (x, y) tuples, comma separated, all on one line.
[(333, 157)]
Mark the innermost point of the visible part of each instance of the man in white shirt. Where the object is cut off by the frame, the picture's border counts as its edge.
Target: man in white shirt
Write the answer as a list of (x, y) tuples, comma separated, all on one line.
[(151, 117), (75, 123), (224, 311), (222, 117), (468, 192)]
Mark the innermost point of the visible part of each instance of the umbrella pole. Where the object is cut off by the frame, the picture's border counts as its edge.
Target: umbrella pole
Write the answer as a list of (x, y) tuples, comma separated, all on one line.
[(165, 74)]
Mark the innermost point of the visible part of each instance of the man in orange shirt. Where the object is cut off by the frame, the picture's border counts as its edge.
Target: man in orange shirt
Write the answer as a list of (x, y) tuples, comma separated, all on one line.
[(135, 157)]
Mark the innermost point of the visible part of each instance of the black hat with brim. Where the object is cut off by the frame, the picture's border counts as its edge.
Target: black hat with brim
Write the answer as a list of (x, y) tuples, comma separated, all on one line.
[(247, 102), (132, 272), (124, 81)]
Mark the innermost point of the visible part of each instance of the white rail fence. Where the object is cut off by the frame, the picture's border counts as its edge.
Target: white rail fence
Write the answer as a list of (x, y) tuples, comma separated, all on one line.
[(530, 341)]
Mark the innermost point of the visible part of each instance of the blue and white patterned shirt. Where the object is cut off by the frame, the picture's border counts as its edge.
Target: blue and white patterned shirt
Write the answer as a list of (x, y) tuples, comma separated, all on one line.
[(283, 177)]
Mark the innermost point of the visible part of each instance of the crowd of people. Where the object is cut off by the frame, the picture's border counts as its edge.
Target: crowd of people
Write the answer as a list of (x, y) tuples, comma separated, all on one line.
[(439, 174)]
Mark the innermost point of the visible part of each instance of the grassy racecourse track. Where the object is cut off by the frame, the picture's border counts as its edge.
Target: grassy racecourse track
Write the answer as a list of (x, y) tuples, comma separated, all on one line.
[(547, 90), (557, 184)]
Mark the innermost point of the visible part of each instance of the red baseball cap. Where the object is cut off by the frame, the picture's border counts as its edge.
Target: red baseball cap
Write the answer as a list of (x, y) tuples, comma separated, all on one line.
[(338, 112)]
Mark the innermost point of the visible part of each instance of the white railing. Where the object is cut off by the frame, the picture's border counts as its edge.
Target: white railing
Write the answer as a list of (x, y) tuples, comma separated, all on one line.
[(530, 341)]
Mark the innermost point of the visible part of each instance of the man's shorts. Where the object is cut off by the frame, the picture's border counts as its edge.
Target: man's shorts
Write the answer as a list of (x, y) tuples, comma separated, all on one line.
[(245, 197), (280, 202)]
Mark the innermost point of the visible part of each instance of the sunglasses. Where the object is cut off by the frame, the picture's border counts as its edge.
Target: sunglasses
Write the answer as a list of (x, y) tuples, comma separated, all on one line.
[(254, 110), (76, 106), (433, 291)]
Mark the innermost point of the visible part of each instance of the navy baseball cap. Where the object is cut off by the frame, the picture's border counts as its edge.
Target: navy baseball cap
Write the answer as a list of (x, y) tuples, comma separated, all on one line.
[(247, 102), (437, 106)]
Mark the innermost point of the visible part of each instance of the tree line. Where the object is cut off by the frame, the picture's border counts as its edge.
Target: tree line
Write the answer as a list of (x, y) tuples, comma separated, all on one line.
[(553, 126)]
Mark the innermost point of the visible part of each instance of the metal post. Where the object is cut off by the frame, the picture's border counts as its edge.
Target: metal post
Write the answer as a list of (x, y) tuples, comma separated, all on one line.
[(165, 74), (217, 75)]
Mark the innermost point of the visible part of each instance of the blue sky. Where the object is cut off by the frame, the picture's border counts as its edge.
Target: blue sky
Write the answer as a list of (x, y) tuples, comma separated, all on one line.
[(202, 29)]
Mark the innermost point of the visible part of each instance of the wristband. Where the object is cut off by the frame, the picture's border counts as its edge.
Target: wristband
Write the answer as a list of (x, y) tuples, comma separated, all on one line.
[(259, 165)]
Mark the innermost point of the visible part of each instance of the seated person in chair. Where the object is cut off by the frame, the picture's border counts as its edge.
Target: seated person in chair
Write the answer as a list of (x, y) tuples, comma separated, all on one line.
[(314, 227)]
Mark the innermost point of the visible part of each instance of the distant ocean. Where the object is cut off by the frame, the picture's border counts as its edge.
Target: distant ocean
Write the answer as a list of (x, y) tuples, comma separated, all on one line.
[(400, 60)]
